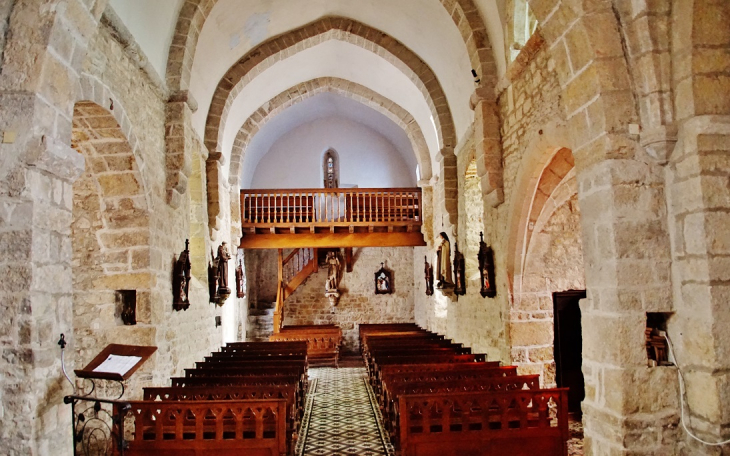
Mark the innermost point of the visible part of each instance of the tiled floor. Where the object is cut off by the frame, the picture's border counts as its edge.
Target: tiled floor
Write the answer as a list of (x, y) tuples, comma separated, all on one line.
[(342, 418)]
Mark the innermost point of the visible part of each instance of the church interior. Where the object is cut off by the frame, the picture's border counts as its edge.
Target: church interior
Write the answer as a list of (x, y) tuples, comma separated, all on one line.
[(501, 226)]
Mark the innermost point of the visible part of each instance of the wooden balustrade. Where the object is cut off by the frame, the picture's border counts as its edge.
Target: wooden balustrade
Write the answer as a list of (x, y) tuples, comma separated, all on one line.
[(326, 218), (365, 206)]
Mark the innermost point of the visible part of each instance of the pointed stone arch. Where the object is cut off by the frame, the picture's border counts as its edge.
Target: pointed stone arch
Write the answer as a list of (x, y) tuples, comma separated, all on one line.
[(310, 35), (338, 86), (194, 13)]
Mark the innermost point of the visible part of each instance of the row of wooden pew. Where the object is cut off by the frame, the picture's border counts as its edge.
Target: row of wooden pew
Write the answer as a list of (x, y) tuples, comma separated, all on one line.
[(323, 342), (438, 398), (247, 398)]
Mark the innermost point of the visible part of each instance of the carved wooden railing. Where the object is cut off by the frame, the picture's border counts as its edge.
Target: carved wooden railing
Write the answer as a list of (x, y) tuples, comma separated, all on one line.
[(293, 270), (331, 207)]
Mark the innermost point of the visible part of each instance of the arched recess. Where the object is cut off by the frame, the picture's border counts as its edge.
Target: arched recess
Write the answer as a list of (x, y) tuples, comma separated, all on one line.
[(194, 13), (110, 236), (545, 255), (308, 89), (338, 28)]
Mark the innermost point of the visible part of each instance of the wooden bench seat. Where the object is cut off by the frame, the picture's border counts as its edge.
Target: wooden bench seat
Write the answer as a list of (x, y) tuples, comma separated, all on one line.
[(323, 341), (389, 401), (209, 428), (290, 393), (374, 367), (515, 423)]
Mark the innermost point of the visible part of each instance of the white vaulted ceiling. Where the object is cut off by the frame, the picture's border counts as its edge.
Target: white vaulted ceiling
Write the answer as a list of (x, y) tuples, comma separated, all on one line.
[(235, 27)]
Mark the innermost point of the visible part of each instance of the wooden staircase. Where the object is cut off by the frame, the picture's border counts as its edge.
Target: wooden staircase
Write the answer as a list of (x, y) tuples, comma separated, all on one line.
[(293, 271)]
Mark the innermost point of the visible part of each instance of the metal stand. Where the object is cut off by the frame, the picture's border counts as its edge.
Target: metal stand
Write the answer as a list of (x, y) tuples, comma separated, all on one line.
[(97, 423)]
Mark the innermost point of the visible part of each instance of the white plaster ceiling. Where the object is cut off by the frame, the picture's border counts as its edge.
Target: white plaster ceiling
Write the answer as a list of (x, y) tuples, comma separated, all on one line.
[(321, 106), (234, 27), (330, 59), (423, 26)]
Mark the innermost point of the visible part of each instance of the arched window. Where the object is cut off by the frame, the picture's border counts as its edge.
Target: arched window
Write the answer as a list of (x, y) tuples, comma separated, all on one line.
[(331, 169), (524, 25)]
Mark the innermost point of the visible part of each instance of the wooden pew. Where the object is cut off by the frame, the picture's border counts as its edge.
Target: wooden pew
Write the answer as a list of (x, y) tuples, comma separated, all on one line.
[(295, 406), (323, 341), (374, 367), (209, 428), (515, 423), (390, 407)]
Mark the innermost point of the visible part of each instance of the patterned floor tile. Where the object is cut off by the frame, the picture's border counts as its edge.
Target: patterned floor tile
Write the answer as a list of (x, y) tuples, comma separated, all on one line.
[(341, 417)]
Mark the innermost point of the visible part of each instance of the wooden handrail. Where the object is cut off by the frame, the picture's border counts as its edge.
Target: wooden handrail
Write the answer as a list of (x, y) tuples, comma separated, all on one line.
[(331, 207), (292, 271)]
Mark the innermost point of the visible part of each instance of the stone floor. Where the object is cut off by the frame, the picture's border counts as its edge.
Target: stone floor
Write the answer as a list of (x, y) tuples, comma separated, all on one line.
[(342, 417)]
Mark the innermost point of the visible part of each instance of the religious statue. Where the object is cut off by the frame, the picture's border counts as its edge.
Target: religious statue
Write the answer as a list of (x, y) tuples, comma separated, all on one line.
[(443, 264), (334, 271), (459, 271), (181, 280), (428, 272), (334, 274), (486, 269), (223, 257), (218, 275), (240, 292)]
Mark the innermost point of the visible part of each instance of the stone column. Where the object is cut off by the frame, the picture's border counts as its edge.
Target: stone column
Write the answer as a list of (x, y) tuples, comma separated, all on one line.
[(36, 197), (488, 142), (629, 408), (446, 196), (41, 60), (699, 205)]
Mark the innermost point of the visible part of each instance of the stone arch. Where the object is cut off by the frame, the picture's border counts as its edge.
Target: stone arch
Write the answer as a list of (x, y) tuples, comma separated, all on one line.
[(92, 90), (308, 89), (110, 234), (559, 165), (294, 41), (194, 13), (553, 262), (536, 159)]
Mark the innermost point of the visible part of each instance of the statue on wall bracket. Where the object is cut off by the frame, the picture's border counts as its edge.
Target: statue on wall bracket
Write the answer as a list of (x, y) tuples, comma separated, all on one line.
[(181, 280), (459, 272), (486, 269), (428, 272), (334, 275), (218, 276), (240, 292), (443, 263), (383, 281)]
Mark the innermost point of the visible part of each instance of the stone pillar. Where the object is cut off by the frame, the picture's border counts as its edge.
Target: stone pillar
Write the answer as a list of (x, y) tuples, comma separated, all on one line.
[(446, 197), (41, 60), (36, 197), (629, 408), (179, 140), (215, 185), (488, 142), (699, 206)]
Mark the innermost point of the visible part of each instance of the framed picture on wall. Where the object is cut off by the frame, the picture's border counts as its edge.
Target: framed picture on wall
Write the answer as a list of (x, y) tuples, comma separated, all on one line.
[(383, 281)]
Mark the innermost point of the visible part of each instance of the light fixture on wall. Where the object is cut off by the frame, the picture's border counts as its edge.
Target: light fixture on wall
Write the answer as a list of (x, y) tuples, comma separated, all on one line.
[(477, 80)]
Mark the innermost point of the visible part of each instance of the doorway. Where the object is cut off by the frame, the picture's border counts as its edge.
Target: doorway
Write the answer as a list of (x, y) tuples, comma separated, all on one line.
[(568, 346)]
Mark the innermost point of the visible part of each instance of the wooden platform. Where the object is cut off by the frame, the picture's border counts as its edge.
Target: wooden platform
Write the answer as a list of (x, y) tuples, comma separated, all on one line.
[(331, 218)]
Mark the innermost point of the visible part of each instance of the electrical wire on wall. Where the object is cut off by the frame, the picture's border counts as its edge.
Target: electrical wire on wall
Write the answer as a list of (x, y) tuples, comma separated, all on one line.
[(682, 399)]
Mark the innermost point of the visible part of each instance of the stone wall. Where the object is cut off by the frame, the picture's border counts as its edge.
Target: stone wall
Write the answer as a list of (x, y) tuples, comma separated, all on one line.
[(6, 7), (181, 337), (358, 302), (529, 109), (262, 275)]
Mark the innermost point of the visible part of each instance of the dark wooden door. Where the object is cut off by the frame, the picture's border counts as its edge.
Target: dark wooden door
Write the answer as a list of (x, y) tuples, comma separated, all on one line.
[(568, 346)]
